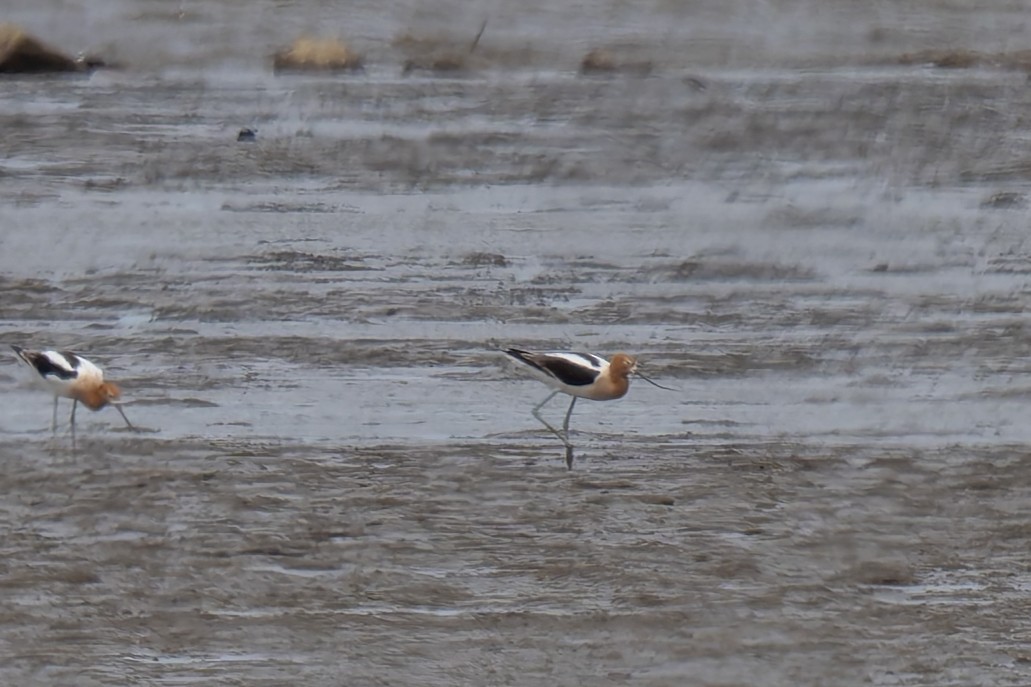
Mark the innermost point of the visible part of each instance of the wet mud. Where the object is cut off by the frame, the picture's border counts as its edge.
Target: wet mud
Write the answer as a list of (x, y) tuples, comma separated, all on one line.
[(821, 244)]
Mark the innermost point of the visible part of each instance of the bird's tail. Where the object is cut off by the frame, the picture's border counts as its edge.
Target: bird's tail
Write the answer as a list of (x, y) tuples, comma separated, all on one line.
[(519, 354), (529, 359), (20, 352)]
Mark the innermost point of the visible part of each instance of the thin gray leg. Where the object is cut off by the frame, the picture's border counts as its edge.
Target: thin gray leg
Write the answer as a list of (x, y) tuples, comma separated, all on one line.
[(565, 425), (537, 414), (53, 420), (565, 428), (564, 434), (122, 412), (75, 404)]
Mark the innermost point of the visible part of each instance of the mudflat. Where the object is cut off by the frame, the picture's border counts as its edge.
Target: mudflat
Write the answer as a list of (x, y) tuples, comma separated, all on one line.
[(798, 216)]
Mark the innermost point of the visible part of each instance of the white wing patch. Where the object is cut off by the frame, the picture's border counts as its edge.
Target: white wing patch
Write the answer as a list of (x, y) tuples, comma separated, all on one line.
[(63, 367), (588, 360), (570, 370)]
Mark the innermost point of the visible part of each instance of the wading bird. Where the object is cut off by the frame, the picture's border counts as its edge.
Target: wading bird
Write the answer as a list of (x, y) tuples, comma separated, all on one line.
[(581, 375), (72, 376)]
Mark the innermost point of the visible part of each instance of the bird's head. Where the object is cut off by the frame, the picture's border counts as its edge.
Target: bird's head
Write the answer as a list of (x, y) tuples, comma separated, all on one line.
[(623, 365), (101, 395)]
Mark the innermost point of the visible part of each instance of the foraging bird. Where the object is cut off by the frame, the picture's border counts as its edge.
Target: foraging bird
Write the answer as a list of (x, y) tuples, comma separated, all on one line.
[(72, 376), (581, 375)]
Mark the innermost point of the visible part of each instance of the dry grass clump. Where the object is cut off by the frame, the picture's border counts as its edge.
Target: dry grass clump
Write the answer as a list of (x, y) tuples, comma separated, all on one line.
[(891, 573), (413, 44), (966, 59), (437, 54), (602, 61), (598, 60), (946, 59), (21, 53), (317, 54), (440, 62)]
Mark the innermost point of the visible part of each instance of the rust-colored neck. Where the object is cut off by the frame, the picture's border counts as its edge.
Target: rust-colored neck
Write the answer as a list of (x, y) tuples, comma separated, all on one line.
[(96, 397), (616, 380)]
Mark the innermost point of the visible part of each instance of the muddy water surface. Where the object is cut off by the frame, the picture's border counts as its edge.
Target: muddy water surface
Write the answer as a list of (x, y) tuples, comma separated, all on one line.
[(338, 480)]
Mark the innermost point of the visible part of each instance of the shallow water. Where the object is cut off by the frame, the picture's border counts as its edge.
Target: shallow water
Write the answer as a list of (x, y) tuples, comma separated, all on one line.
[(338, 477)]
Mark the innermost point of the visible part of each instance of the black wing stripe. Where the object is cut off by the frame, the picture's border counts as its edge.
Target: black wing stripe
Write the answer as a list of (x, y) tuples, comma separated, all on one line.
[(527, 358), (565, 371), (523, 357), (569, 372), (45, 367), (71, 358)]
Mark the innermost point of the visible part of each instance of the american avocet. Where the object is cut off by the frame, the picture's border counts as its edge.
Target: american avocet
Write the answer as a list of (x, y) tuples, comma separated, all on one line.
[(72, 376), (581, 375)]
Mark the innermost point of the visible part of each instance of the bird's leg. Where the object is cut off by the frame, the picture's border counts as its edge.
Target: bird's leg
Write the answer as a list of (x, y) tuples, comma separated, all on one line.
[(564, 434), (122, 413), (75, 403), (53, 420), (565, 428), (565, 425), (537, 414)]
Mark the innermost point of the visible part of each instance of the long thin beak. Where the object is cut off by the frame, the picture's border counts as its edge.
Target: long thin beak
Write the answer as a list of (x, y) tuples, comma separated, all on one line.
[(122, 413), (636, 372)]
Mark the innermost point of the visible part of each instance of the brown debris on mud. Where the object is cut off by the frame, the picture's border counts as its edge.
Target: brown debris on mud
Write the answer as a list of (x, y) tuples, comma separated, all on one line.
[(437, 54), (309, 53), (22, 53), (966, 59), (605, 61)]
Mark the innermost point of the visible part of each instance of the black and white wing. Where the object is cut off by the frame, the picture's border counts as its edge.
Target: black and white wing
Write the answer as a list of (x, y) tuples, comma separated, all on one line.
[(566, 368), (52, 365)]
